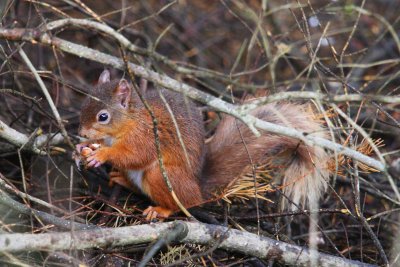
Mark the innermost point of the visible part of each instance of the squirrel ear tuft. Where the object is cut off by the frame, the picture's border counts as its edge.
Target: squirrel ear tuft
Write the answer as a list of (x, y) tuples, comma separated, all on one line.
[(123, 92), (104, 77)]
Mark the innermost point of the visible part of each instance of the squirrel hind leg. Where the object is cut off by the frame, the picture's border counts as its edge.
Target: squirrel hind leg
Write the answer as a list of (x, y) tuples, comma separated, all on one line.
[(158, 212), (120, 178)]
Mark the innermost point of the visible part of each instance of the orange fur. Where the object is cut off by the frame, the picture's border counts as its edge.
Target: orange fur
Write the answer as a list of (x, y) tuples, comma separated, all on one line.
[(133, 146)]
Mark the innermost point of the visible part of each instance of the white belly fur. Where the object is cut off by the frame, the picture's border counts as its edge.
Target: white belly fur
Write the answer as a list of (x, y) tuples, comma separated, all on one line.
[(109, 141), (136, 177)]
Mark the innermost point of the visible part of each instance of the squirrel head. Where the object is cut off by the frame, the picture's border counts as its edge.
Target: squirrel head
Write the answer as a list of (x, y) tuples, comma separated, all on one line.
[(106, 108)]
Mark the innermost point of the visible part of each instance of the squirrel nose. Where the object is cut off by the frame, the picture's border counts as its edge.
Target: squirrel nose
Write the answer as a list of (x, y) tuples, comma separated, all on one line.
[(83, 132)]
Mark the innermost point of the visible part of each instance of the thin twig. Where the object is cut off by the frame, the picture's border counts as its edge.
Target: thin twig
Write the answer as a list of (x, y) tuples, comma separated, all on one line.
[(46, 94)]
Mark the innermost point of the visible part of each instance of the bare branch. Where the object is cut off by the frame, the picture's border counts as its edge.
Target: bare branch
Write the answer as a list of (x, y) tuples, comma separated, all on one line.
[(16, 138), (305, 95), (197, 233), (21, 140)]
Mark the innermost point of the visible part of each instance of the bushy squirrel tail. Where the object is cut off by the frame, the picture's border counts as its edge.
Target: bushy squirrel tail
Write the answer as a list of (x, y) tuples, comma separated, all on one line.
[(304, 169)]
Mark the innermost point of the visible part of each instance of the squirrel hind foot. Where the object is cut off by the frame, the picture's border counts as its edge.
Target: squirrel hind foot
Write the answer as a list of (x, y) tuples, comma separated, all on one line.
[(153, 213)]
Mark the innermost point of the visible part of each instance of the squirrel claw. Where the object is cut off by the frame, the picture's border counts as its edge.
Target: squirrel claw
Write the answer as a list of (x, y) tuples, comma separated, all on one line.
[(153, 213), (93, 162)]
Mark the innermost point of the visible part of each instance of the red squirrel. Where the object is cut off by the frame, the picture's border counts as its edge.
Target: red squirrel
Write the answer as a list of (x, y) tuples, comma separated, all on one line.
[(115, 117)]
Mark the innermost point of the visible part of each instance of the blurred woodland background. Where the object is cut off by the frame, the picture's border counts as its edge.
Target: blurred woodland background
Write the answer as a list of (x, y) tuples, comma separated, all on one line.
[(348, 49)]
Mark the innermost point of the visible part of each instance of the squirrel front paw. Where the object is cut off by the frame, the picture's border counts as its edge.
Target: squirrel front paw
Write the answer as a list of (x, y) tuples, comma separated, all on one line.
[(91, 154), (96, 158)]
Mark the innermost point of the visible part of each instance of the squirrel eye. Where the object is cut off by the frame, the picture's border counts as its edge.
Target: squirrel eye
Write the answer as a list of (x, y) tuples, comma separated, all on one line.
[(103, 117)]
